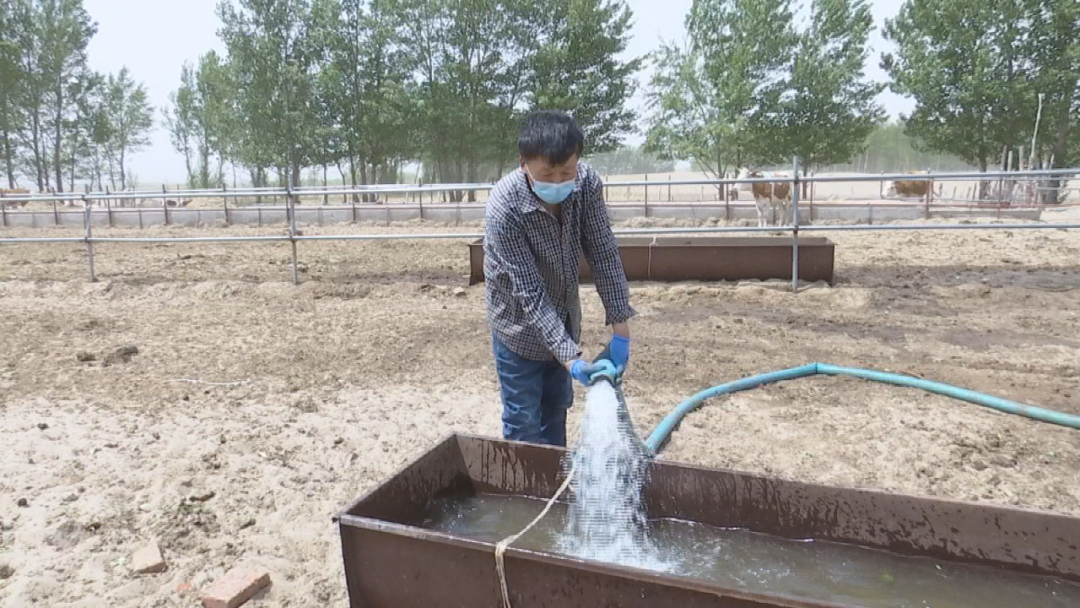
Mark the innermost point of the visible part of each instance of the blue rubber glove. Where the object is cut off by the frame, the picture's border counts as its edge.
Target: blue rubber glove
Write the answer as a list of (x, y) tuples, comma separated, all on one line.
[(581, 371), (617, 351)]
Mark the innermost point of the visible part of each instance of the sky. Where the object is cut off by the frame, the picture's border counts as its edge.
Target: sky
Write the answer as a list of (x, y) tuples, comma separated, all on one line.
[(153, 40)]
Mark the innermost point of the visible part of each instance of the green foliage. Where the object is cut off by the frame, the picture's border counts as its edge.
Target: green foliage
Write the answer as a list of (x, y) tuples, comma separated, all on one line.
[(273, 60), (717, 100), (130, 119), (576, 67), (828, 107), (964, 64), (12, 82), (201, 121)]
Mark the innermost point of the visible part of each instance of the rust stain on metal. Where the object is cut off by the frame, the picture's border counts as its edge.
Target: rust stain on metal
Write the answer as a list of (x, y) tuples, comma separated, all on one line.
[(390, 562), (670, 259)]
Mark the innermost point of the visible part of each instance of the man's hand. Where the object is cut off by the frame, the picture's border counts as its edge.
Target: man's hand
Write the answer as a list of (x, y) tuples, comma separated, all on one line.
[(580, 370)]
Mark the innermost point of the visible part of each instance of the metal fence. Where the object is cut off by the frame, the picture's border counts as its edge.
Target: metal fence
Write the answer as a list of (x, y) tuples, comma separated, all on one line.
[(294, 237)]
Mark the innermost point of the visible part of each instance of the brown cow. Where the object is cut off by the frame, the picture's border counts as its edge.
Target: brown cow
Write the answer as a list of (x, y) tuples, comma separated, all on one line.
[(768, 196), (907, 188)]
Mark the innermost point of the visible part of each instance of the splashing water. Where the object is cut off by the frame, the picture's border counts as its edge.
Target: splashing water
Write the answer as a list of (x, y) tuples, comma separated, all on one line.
[(607, 520)]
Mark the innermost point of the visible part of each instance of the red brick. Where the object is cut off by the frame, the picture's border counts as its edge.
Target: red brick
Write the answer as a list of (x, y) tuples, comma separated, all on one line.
[(237, 586)]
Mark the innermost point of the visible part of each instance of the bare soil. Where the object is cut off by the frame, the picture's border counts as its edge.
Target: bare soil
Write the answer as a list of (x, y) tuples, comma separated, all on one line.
[(194, 396)]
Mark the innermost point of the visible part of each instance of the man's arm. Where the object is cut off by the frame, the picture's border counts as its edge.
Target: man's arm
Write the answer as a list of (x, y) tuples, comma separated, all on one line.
[(510, 247), (602, 253)]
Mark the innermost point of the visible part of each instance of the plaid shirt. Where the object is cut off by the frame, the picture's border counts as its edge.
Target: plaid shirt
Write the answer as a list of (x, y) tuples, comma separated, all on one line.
[(532, 266)]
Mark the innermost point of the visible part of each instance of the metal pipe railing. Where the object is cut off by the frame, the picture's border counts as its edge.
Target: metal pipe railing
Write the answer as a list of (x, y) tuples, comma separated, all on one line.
[(248, 192), (293, 237)]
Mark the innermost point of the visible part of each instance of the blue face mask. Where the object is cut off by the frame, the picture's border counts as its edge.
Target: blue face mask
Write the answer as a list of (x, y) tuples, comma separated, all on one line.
[(552, 194)]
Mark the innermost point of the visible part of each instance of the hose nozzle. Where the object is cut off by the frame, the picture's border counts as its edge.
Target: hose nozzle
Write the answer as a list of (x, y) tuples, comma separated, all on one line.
[(607, 372)]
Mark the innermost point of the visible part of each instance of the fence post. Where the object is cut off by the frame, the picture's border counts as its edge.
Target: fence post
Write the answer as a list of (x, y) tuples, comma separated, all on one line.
[(646, 195), (291, 208), (56, 214), (164, 204), (89, 235), (795, 225), (108, 205), (225, 203)]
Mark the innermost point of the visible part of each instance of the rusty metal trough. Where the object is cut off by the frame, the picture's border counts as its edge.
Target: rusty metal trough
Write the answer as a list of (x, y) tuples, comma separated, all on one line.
[(705, 259), (391, 562)]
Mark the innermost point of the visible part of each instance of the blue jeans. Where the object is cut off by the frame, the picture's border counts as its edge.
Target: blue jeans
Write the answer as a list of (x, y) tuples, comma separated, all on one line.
[(535, 397)]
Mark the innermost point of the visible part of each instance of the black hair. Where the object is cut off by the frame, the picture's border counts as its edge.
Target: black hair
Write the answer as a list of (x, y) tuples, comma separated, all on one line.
[(552, 136)]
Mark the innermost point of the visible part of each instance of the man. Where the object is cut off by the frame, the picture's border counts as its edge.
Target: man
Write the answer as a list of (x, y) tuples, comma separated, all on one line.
[(540, 220)]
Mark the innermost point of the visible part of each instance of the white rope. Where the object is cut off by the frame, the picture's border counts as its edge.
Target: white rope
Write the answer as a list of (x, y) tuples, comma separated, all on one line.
[(196, 381), (500, 548)]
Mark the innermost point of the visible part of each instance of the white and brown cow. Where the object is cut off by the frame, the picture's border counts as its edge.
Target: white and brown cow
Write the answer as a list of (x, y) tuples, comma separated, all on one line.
[(773, 199)]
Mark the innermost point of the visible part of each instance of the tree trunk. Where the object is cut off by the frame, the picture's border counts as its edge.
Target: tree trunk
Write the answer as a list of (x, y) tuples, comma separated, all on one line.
[(9, 161), (344, 181), (123, 171), (296, 181), (363, 178), (374, 197), (472, 179), (982, 183), (1061, 144), (57, 154), (457, 178), (35, 132), (352, 176), (326, 197)]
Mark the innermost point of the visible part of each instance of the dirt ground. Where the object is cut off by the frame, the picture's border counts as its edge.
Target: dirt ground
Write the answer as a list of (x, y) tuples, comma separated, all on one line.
[(253, 410)]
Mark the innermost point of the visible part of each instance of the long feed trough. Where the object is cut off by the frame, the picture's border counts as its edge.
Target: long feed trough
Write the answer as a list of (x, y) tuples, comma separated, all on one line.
[(393, 561), (671, 259)]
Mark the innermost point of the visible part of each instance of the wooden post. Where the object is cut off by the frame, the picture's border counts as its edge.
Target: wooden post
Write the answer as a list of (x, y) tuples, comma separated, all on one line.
[(56, 214)]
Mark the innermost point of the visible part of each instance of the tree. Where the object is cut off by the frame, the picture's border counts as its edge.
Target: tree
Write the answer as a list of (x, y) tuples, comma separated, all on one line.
[(1054, 46), (182, 122), (715, 101), (130, 118), (12, 82), (576, 67), (200, 120), (367, 110), (273, 62), (64, 30), (828, 108), (473, 72), (964, 65)]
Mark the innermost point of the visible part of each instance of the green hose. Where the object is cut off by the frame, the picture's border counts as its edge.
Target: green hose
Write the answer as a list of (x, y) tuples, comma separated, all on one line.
[(663, 431)]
